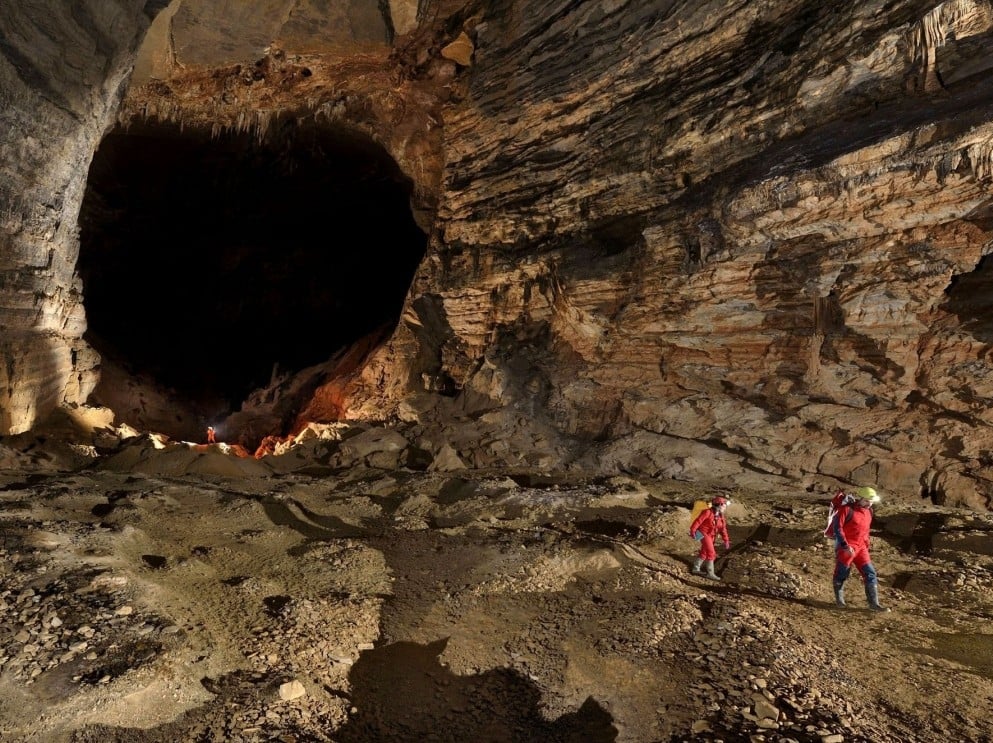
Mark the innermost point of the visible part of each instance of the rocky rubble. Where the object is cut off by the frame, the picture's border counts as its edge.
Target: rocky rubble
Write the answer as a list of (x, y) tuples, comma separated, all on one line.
[(372, 604), (75, 625)]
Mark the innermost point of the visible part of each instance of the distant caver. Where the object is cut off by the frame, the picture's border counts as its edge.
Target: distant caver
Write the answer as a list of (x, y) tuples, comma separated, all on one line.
[(705, 528)]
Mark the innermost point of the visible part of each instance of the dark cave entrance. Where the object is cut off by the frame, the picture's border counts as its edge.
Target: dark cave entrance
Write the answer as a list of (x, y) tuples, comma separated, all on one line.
[(208, 261)]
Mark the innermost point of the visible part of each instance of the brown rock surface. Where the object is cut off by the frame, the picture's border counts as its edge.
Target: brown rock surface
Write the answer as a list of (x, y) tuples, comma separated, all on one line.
[(667, 238), (61, 76), (723, 228)]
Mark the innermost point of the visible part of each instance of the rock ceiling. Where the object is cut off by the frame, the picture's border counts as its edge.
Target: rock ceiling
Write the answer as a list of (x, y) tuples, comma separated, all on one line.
[(664, 237)]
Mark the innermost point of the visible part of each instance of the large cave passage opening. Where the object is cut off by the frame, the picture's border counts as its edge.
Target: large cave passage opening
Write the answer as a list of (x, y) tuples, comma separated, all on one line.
[(209, 260)]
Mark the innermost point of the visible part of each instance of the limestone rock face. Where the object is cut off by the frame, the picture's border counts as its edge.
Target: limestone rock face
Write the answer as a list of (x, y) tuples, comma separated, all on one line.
[(211, 33), (680, 238), (757, 228), (62, 66)]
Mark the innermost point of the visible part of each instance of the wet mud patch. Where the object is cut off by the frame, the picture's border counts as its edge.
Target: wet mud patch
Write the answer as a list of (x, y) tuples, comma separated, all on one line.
[(403, 692)]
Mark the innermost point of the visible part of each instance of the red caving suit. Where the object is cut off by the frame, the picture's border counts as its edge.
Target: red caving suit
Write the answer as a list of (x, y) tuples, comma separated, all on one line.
[(710, 524), (851, 526)]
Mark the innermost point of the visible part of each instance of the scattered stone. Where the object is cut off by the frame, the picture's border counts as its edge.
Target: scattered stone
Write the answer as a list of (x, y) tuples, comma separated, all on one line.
[(291, 690)]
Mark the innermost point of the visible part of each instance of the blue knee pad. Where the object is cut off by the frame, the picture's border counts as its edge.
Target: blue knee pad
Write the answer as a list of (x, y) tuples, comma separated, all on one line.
[(869, 573)]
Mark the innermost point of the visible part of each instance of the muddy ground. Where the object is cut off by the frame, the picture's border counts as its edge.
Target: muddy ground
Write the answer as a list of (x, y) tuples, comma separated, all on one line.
[(393, 605)]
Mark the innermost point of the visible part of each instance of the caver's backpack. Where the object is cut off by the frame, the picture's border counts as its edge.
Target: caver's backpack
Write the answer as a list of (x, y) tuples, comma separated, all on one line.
[(841, 498), (698, 507)]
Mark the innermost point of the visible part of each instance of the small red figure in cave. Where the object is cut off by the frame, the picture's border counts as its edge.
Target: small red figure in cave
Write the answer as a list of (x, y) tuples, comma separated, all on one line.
[(211, 438)]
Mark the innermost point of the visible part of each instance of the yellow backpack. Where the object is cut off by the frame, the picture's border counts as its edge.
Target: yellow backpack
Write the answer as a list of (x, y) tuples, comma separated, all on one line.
[(698, 507)]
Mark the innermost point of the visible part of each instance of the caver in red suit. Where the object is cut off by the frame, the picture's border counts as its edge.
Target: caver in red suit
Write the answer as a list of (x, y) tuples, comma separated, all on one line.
[(850, 529), (707, 527)]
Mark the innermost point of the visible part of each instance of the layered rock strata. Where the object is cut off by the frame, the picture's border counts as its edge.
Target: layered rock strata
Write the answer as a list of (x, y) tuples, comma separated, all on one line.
[(727, 235), (62, 68), (666, 237)]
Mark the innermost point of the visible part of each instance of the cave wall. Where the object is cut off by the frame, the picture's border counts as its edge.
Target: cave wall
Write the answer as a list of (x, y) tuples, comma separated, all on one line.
[(670, 238), (219, 32), (721, 237), (62, 66)]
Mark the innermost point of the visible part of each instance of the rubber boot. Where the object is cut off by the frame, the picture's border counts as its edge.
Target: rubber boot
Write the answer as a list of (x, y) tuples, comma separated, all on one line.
[(696, 566), (872, 596), (839, 595), (709, 564)]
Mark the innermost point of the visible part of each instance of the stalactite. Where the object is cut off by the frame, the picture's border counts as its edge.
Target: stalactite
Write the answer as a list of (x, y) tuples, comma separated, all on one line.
[(932, 31), (980, 156)]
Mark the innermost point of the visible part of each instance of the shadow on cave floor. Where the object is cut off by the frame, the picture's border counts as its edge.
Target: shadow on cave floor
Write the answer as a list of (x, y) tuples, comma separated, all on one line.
[(318, 528), (973, 651), (402, 692)]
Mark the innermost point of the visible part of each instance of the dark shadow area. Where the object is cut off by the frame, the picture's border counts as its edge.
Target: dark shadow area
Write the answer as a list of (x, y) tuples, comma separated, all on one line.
[(210, 261), (207, 722), (326, 529), (605, 528), (401, 692), (922, 531), (155, 562), (931, 535), (969, 297), (974, 652)]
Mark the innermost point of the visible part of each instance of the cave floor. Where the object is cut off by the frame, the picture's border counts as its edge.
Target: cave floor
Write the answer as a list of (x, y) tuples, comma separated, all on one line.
[(369, 605)]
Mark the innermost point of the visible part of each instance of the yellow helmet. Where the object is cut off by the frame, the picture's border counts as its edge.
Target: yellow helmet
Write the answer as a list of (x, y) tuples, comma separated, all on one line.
[(869, 494)]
